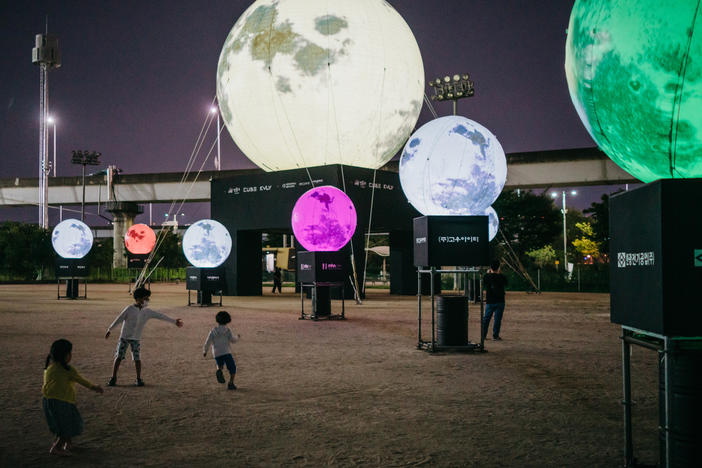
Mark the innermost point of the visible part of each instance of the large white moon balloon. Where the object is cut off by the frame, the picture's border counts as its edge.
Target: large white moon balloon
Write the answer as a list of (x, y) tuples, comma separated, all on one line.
[(207, 244), (72, 238), (305, 83), (452, 166)]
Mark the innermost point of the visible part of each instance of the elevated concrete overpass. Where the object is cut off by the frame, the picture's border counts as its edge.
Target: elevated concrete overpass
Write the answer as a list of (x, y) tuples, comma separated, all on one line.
[(558, 168)]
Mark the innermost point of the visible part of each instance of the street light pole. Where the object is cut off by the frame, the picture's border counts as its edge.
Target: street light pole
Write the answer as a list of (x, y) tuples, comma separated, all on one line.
[(85, 158), (565, 242), (52, 121), (565, 239), (218, 160)]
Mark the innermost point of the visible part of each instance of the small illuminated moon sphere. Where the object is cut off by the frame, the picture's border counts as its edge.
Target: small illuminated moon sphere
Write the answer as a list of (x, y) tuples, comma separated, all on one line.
[(207, 244), (493, 222), (323, 219), (140, 239), (72, 238), (304, 83), (452, 166), (634, 71)]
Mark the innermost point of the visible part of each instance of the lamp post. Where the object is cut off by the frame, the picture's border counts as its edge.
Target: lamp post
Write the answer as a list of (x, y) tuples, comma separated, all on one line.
[(452, 88), (564, 211), (218, 161), (85, 158), (51, 120)]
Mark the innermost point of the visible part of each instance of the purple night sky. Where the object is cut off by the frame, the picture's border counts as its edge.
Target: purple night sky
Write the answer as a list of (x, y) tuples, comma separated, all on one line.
[(137, 79)]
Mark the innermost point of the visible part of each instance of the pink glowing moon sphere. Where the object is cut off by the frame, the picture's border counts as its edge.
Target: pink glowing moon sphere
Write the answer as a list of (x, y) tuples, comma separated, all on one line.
[(324, 219), (140, 239)]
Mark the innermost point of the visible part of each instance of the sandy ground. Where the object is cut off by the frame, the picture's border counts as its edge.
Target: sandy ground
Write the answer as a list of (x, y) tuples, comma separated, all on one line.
[(339, 393)]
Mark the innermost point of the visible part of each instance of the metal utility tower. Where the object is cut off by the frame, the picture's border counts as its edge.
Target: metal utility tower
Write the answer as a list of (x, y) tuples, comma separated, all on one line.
[(45, 54)]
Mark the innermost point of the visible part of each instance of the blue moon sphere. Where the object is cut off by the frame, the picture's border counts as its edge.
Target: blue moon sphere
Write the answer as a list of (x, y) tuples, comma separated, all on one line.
[(634, 71), (207, 244), (452, 166), (72, 238), (493, 222)]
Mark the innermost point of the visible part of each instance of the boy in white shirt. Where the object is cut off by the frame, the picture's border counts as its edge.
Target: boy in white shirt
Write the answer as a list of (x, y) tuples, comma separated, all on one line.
[(219, 338), (133, 319)]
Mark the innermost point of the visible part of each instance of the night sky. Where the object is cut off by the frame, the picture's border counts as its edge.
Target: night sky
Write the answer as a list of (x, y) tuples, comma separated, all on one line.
[(137, 77)]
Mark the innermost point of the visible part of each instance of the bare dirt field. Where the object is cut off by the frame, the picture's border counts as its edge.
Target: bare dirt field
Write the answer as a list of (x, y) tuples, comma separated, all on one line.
[(340, 393)]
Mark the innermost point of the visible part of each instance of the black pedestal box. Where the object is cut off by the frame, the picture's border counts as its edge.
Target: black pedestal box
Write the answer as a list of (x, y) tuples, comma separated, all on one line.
[(136, 260), (451, 240), (71, 267), (322, 267), (204, 279), (656, 257)]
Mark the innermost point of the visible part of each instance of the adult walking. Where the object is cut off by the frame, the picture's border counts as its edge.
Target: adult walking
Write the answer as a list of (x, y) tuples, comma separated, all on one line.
[(494, 284)]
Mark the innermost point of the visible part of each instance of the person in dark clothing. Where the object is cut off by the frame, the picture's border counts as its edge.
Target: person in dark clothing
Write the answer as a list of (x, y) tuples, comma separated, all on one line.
[(277, 280), (494, 284)]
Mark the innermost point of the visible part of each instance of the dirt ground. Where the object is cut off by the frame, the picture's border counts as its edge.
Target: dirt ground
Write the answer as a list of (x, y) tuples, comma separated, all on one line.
[(338, 393)]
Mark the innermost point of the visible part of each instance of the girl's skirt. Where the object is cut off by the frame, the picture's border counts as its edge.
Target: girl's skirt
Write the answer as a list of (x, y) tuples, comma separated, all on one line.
[(63, 418)]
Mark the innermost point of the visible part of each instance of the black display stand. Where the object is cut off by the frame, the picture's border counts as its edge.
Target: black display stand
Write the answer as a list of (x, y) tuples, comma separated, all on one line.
[(319, 272), (433, 345), (321, 301), (71, 271), (206, 281), (655, 278)]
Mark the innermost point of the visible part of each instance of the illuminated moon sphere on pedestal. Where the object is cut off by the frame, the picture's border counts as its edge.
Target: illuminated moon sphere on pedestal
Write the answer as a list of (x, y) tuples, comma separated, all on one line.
[(140, 239), (634, 71), (324, 219), (72, 239), (207, 244), (304, 83), (452, 166)]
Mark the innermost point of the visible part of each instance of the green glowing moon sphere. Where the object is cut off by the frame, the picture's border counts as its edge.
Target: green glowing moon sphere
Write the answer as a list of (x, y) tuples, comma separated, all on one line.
[(312, 82), (634, 71)]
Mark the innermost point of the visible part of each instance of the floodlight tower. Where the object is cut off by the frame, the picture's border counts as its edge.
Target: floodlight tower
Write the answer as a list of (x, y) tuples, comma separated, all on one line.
[(46, 54), (452, 88)]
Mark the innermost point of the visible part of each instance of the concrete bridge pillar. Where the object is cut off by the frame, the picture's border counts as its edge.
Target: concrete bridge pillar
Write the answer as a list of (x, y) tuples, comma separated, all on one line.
[(123, 214)]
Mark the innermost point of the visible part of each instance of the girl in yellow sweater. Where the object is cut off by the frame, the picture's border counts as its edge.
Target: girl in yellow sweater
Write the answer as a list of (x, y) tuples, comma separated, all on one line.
[(59, 397)]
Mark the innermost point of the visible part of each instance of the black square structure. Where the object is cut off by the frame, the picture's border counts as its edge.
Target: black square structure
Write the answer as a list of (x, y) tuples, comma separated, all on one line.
[(451, 240), (322, 267), (258, 201), (72, 270), (656, 258), (205, 281), (136, 260)]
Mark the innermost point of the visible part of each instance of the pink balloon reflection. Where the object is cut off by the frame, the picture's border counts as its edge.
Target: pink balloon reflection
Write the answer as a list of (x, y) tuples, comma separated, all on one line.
[(324, 219)]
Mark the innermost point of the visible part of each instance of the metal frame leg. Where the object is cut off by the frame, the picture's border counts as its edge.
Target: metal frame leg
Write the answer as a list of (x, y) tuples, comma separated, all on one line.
[(626, 401)]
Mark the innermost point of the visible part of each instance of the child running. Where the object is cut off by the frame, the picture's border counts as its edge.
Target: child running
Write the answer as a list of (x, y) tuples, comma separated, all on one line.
[(219, 338), (59, 397), (133, 319)]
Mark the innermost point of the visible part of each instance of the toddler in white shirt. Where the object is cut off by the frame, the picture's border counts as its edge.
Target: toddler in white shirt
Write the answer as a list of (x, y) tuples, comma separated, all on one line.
[(219, 339)]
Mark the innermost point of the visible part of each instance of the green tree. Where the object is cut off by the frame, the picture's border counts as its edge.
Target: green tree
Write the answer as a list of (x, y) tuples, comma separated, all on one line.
[(169, 247), (545, 256), (527, 220), (599, 218), (585, 244), (25, 249)]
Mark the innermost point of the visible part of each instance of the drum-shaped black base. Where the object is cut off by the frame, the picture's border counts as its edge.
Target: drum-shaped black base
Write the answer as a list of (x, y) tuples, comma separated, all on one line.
[(452, 320)]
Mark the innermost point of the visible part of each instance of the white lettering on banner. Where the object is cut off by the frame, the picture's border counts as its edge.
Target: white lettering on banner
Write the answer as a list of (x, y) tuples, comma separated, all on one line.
[(421, 240), (265, 188), (234, 190), (289, 185), (305, 266), (331, 266), (634, 259), (458, 239), (379, 186)]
